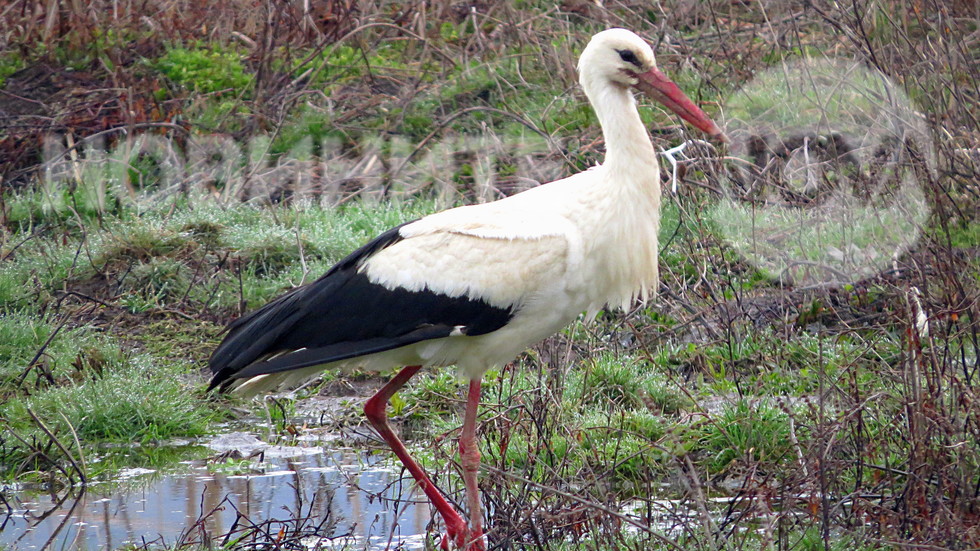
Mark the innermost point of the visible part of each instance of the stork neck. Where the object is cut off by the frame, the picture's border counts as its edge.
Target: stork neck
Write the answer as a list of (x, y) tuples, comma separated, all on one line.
[(627, 142)]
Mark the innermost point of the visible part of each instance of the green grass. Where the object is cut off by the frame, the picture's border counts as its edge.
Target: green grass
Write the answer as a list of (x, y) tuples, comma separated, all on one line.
[(141, 271), (631, 419), (748, 433), (113, 406), (91, 385), (123, 400), (609, 416), (71, 352), (10, 63), (159, 260), (963, 235)]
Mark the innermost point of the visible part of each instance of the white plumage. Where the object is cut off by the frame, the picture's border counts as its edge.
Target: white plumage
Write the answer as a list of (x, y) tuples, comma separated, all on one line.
[(538, 252), (474, 286)]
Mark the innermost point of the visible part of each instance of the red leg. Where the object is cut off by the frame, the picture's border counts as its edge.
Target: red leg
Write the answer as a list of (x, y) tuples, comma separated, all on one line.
[(469, 453), (375, 409)]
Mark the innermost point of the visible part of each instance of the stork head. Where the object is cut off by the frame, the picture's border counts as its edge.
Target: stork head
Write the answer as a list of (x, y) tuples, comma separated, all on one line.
[(620, 58)]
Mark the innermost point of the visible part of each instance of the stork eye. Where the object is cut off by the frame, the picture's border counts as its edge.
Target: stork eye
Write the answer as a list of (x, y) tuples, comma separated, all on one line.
[(629, 57)]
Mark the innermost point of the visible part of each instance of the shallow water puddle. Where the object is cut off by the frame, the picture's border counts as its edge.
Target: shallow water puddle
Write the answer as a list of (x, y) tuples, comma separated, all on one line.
[(357, 501)]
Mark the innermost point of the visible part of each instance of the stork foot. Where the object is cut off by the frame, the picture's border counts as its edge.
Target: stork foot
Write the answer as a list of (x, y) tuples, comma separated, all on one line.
[(467, 540)]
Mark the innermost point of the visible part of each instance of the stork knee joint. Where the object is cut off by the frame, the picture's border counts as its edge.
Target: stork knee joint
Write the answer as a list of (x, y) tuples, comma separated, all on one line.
[(375, 410), (470, 456)]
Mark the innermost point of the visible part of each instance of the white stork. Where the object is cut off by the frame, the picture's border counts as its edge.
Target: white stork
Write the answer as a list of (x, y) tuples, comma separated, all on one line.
[(474, 286)]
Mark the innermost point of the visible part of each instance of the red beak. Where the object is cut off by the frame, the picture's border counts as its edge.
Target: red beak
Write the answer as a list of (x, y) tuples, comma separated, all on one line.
[(656, 85)]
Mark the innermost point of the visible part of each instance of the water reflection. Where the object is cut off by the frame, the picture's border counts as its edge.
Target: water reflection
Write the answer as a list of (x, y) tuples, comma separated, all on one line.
[(349, 496)]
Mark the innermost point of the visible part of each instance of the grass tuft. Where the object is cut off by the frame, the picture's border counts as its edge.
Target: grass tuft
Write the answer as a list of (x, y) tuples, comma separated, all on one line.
[(748, 434), (114, 407)]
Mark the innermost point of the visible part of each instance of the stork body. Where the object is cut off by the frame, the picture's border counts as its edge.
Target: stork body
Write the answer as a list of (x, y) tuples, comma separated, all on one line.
[(474, 286)]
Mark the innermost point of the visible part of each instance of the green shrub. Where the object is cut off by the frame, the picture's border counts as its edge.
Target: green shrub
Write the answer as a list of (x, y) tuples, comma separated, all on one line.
[(204, 70)]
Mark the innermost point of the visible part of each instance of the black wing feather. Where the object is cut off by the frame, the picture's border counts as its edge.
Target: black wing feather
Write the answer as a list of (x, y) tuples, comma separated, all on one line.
[(343, 315), (309, 357)]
